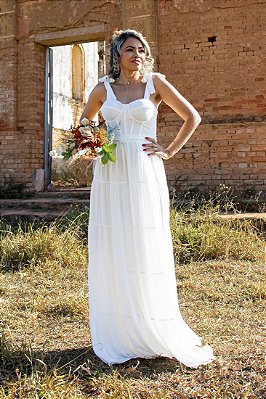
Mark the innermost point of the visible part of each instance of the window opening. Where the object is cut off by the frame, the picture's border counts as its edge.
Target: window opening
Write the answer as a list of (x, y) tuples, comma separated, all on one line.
[(77, 73)]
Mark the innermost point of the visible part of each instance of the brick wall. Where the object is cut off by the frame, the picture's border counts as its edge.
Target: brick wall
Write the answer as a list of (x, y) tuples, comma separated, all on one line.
[(22, 71), (212, 53), (8, 95), (230, 154)]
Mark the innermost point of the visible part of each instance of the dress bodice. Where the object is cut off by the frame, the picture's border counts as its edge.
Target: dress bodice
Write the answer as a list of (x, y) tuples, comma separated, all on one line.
[(131, 121)]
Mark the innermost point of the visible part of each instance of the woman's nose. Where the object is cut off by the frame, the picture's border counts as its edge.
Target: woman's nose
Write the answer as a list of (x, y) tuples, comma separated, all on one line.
[(137, 52)]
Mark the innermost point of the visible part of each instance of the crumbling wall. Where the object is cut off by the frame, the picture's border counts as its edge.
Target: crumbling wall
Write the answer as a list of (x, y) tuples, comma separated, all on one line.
[(212, 52)]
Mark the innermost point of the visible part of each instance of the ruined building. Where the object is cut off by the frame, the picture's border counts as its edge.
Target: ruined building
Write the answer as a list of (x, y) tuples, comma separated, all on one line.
[(212, 52)]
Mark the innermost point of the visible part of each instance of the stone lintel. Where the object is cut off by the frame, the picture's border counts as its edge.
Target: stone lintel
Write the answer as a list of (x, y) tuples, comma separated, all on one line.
[(76, 35)]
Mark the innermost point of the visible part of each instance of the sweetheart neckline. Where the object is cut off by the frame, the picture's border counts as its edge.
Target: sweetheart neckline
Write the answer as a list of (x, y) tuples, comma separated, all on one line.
[(131, 102), (113, 95)]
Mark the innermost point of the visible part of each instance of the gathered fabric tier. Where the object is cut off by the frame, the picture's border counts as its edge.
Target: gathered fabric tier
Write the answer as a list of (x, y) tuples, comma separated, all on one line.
[(133, 300)]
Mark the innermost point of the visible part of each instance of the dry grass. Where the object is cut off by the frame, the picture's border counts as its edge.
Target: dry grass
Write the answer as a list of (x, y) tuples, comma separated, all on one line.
[(76, 173), (201, 235), (45, 349)]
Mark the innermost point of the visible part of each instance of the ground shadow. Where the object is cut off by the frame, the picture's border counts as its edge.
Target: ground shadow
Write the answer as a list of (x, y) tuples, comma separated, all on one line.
[(79, 361)]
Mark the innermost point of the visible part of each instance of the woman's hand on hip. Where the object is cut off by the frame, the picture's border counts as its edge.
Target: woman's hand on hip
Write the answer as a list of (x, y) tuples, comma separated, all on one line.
[(155, 149)]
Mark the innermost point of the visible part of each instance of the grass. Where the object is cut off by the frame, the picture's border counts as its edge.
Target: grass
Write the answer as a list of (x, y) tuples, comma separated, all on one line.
[(203, 235), (71, 173), (224, 198), (45, 348), (13, 190)]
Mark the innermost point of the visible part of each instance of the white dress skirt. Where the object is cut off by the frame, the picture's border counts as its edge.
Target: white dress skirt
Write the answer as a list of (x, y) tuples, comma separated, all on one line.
[(133, 302)]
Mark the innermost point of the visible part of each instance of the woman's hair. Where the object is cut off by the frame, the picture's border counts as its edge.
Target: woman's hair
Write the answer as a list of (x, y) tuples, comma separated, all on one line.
[(118, 39)]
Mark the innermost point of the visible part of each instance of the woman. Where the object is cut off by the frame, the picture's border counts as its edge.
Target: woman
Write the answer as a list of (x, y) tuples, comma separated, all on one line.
[(133, 300)]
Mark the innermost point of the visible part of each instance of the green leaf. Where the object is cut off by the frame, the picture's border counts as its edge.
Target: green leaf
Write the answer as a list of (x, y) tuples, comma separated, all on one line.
[(100, 153), (105, 159), (112, 157), (67, 154), (105, 148), (112, 147)]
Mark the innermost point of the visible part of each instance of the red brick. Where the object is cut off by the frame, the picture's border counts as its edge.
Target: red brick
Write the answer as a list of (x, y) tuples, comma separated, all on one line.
[(223, 80)]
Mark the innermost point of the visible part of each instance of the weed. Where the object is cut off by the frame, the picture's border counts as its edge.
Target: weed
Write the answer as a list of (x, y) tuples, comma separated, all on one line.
[(25, 249), (224, 198), (13, 190), (202, 235), (76, 173), (45, 347)]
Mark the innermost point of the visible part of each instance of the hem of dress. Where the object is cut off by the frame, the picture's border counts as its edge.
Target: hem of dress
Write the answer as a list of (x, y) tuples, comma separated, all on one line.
[(202, 363), (190, 365)]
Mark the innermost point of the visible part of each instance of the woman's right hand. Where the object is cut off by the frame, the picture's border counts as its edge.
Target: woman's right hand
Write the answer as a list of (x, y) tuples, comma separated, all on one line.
[(155, 148)]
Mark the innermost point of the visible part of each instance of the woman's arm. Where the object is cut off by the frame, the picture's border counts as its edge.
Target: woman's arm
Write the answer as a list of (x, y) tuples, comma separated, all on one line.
[(183, 108), (95, 101)]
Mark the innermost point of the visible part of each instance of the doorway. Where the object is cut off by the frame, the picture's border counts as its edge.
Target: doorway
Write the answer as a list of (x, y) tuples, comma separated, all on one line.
[(72, 71)]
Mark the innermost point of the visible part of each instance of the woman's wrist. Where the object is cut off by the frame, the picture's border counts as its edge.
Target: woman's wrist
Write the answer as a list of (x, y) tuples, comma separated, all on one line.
[(183, 135), (171, 150)]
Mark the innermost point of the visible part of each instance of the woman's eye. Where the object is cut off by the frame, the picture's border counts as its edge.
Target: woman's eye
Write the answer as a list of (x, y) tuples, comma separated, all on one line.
[(131, 49)]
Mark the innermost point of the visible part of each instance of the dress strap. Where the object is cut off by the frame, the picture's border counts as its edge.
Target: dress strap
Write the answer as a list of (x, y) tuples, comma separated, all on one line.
[(106, 81), (150, 89), (149, 86)]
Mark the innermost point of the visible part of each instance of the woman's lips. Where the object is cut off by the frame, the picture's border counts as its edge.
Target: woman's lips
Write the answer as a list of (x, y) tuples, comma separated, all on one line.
[(136, 62)]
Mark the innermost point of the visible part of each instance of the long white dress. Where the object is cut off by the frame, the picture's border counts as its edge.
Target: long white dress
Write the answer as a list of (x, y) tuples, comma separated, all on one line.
[(133, 301)]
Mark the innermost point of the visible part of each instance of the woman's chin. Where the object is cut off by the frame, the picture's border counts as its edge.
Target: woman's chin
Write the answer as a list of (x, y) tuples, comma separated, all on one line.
[(133, 68), (137, 66)]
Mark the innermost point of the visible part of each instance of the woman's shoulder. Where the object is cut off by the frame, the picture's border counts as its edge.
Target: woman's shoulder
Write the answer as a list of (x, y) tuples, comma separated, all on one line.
[(158, 79), (157, 76), (106, 78), (99, 87), (153, 76), (99, 91)]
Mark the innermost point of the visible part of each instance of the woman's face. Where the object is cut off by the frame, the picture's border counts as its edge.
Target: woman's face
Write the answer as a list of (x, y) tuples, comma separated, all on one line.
[(132, 54)]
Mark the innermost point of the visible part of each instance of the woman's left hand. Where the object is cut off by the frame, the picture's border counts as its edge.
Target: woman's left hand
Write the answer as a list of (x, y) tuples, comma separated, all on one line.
[(155, 149)]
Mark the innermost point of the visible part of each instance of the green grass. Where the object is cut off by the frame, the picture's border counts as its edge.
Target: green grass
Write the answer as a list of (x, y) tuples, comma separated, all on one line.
[(45, 348), (203, 235)]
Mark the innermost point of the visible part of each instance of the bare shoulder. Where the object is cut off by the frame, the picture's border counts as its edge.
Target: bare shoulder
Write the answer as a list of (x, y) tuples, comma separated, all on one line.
[(99, 91), (159, 81), (161, 85), (158, 77)]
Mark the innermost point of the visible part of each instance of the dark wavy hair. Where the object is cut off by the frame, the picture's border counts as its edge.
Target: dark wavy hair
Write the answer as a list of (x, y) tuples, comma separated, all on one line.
[(118, 39)]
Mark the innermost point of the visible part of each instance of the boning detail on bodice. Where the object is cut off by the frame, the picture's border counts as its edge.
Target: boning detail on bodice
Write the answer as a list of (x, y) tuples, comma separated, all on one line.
[(136, 119)]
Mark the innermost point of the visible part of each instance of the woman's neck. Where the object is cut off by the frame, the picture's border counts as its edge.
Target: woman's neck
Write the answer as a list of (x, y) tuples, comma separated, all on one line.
[(127, 77)]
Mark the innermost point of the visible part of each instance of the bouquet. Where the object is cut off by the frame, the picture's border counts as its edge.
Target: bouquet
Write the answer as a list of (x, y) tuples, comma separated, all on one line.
[(91, 141)]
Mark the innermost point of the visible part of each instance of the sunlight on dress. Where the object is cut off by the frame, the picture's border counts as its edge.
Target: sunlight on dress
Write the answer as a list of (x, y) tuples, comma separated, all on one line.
[(133, 300)]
